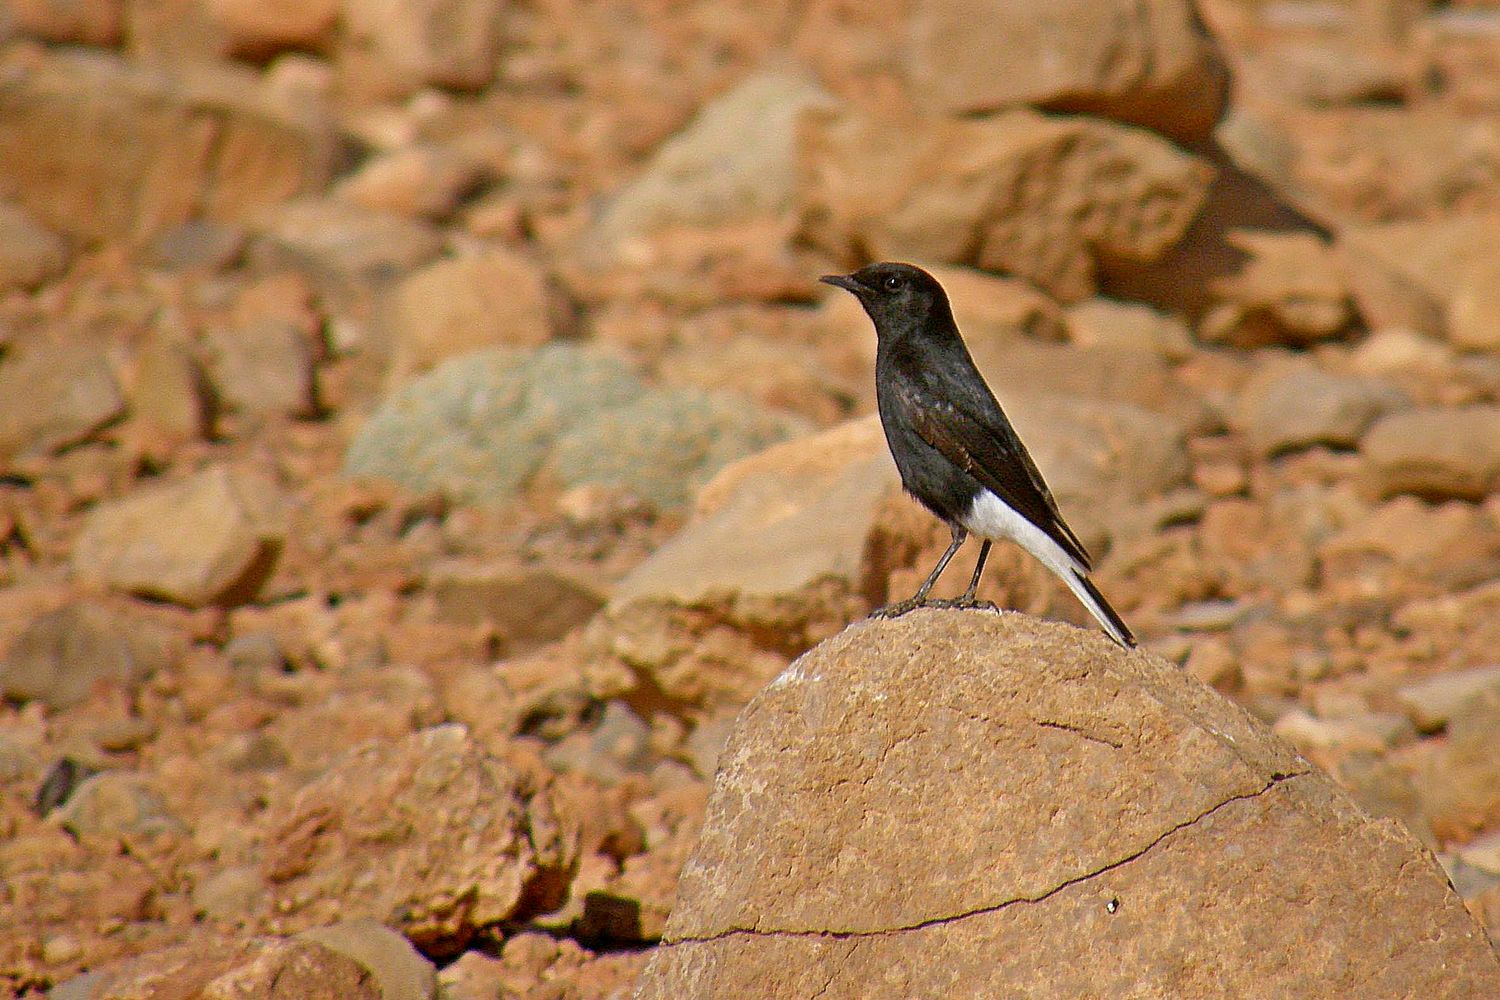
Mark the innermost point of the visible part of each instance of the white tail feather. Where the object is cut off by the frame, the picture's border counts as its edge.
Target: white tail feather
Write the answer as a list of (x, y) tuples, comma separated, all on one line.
[(991, 517)]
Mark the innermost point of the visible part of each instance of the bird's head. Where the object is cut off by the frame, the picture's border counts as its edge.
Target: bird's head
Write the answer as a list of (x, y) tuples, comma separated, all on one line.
[(895, 295)]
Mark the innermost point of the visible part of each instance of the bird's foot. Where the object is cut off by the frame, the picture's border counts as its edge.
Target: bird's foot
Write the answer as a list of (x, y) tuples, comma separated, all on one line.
[(947, 604), (900, 608), (965, 604)]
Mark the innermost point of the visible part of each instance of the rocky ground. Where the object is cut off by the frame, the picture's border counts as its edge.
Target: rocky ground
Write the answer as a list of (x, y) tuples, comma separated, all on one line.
[(421, 431)]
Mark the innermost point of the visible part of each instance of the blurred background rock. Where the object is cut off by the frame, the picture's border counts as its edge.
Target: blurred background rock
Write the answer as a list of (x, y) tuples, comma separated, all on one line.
[(382, 375)]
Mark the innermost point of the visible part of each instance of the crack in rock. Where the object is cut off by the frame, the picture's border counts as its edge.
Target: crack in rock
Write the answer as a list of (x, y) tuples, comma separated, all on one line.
[(1081, 733), (836, 971), (1272, 782)]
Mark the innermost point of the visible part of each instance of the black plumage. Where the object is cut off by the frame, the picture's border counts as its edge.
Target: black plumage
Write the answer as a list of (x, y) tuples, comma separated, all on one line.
[(956, 450)]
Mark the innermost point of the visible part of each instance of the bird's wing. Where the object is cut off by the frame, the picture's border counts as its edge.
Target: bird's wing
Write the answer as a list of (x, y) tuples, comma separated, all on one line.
[(985, 446)]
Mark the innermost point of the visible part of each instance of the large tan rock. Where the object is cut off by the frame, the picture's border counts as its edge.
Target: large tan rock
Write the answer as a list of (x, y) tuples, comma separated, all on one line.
[(735, 160), (100, 149), (1250, 259), (119, 806), (63, 655), (1285, 407), (431, 835), (527, 605), (54, 393), (425, 181), (1440, 276), (447, 43), (1146, 62), (781, 552), (1039, 197), (1290, 290), (1336, 71), (1149, 63), (345, 251), (212, 538), (971, 804), (1460, 784), (175, 33), (30, 254), (1432, 701), (1395, 160), (1473, 311), (402, 972), (93, 22), (1435, 452), (990, 306), (260, 28), (459, 304), (1128, 326), (776, 522), (169, 398), (263, 367), (350, 256), (217, 968)]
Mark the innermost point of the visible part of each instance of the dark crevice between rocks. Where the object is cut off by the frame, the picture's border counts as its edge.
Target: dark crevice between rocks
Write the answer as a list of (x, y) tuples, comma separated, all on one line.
[(1272, 782), (59, 783)]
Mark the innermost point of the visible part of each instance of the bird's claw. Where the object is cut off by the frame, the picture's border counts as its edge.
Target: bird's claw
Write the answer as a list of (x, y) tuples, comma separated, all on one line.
[(948, 604), (899, 608), (965, 604)]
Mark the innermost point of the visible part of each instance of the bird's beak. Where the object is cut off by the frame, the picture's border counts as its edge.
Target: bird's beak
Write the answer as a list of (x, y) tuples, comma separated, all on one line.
[(843, 281)]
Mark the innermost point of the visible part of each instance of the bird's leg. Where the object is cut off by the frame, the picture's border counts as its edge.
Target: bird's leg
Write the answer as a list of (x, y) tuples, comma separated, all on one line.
[(919, 599), (984, 553), (959, 535), (968, 599)]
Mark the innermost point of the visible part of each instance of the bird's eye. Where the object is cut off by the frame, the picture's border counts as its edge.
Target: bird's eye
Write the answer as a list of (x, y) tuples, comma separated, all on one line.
[(893, 283)]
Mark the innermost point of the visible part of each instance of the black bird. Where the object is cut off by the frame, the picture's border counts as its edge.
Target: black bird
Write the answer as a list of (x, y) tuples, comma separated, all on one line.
[(957, 452)]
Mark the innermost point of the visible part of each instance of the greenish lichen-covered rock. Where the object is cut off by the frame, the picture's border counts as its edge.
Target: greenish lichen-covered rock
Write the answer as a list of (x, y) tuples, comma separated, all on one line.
[(483, 426), (666, 443)]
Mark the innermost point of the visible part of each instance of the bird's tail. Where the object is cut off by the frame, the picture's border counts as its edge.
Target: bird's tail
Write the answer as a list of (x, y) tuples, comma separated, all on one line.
[(1089, 594)]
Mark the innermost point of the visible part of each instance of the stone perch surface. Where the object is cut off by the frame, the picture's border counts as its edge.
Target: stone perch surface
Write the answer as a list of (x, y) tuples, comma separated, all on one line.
[(970, 804)]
